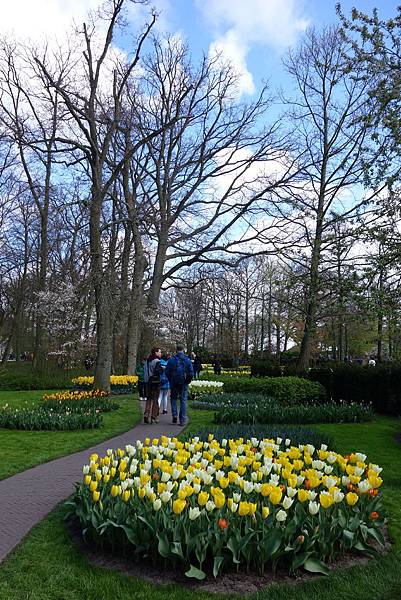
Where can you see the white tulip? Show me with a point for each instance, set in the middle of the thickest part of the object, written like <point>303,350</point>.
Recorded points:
<point>234,507</point>
<point>165,477</point>
<point>165,496</point>
<point>338,496</point>
<point>157,504</point>
<point>291,492</point>
<point>312,495</point>
<point>85,469</point>
<point>313,508</point>
<point>210,505</point>
<point>364,486</point>
<point>281,516</point>
<point>287,502</point>
<point>236,497</point>
<point>194,513</point>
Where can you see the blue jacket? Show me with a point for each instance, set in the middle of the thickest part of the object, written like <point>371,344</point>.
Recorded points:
<point>171,369</point>
<point>165,384</point>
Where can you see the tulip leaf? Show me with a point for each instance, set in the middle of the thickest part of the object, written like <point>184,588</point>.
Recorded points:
<point>176,548</point>
<point>218,561</point>
<point>300,559</point>
<point>272,543</point>
<point>233,546</point>
<point>314,565</point>
<point>164,546</point>
<point>377,535</point>
<point>195,573</point>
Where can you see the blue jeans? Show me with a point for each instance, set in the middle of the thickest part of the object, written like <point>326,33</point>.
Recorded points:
<point>179,391</point>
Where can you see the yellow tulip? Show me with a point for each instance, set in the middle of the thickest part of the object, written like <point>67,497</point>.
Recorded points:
<point>266,489</point>
<point>152,496</point>
<point>243,509</point>
<point>252,508</point>
<point>352,498</point>
<point>265,512</point>
<point>95,496</point>
<point>93,486</point>
<point>178,506</point>
<point>326,499</point>
<point>115,490</point>
<point>98,476</point>
<point>126,495</point>
<point>182,494</point>
<point>224,482</point>
<point>303,495</point>
<point>123,475</point>
<point>219,500</point>
<point>106,478</point>
<point>141,492</point>
<point>375,481</point>
<point>112,471</point>
<point>275,495</point>
<point>203,497</point>
<point>88,479</point>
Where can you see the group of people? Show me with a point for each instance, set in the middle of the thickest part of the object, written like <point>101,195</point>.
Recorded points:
<point>164,377</point>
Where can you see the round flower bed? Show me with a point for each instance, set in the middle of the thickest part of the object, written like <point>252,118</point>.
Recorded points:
<point>210,505</point>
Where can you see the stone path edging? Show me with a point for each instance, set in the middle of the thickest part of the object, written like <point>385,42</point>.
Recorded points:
<point>26,498</point>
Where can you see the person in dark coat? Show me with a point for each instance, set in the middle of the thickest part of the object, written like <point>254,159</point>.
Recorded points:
<point>179,372</point>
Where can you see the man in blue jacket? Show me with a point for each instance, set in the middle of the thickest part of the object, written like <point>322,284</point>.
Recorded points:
<point>179,371</point>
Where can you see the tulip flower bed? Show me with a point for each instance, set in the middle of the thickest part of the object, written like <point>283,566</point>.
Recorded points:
<point>198,388</point>
<point>57,415</point>
<point>210,506</point>
<point>75,395</point>
<point>119,384</point>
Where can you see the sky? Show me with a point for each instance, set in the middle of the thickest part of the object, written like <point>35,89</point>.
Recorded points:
<point>253,34</point>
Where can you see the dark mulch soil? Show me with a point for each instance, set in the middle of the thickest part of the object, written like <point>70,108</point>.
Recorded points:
<point>241,583</point>
<point>397,437</point>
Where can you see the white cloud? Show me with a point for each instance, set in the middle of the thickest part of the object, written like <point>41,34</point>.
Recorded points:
<point>33,19</point>
<point>239,24</point>
<point>230,48</point>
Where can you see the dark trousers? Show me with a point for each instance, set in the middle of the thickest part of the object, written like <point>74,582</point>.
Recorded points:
<point>142,389</point>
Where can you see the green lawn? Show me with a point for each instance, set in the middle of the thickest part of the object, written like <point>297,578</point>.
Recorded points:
<point>48,566</point>
<point>24,449</point>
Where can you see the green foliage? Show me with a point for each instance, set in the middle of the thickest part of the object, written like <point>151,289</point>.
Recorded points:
<point>287,390</point>
<point>22,376</point>
<point>55,415</point>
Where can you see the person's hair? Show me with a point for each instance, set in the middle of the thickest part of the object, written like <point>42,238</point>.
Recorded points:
<point>155,349</point>
<point>180,347</point>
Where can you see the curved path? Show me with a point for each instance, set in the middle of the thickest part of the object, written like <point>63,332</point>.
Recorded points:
<point>26,498</point>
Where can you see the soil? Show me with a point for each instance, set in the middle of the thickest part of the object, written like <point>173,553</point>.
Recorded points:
<point>240,583</point>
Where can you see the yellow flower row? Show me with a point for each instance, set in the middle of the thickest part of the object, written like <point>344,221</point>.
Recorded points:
<point>114,380</point>
<point>246,477</point>
<point>75,395</point>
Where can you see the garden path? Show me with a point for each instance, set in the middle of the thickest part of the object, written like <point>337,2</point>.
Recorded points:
<point>26,498</point>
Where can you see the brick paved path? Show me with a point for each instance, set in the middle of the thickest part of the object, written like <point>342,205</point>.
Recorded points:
<point>26,498</point>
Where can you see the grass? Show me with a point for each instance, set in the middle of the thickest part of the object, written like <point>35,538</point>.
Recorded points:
<point>24,449</point>
<point>48,565</point>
